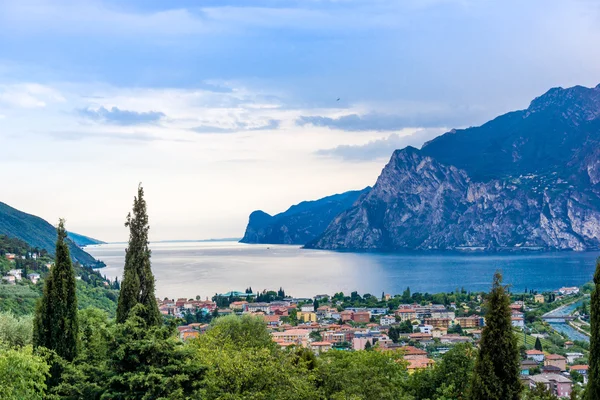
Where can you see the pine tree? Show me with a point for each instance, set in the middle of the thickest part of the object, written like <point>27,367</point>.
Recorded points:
<point>137,285</point>
<point>538,344</point>
<point>55,324</point>
<point>496,373</point>
<point>592,391</point>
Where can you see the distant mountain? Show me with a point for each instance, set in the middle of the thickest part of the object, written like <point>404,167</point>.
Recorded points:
<point>37,233</point>
<point>301,222</point>
<point>527,179</point>
<point>82,241</point>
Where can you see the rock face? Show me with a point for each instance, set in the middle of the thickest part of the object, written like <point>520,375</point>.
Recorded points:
<point>527,179</point>
<point>301,223</point>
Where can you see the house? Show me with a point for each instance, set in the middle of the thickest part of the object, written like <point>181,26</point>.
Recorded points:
<point>272,320</point>
<point>582,370</point>
<point>558,385</point>
<point>361,317</point>
<point>9,279</point>
<point>387,297</point>
<point>438,322</point>
<point>188,334</point>
<point>527,366</point>
<point>387,320</point>
<point>360,343</point>
<point>571,357</point>
<point>518,322</point>
<point>414,365</point>
<point>412,353</point>
<point>16,273</point>
<point>238,305</point>
<point>346,315</point>
<point>34,278</point>
<point>539,298</point>
<point>556,360</point>
<point>535,355</point>
<point>10,256</point>
<point>453,339</point>
<point>336,337</point>
<point>320,347</point>
<point>421,337</point>
<point>305,316</point>
<point>569,344</point>
<point>428,329</point>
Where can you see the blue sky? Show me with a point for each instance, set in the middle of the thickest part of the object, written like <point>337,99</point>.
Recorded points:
<point>223,107</point>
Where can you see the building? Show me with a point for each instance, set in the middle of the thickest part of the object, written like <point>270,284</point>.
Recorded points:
<point>565,291</point>
<point>558,384</point>
<point>9,279</point>
<point>556,360</point>
<point>527,366</point>
<point>571,357</point>
<point>438,322</point>
<point>582,370</point>
<point>406,314</point>
<point>16,273</point>
<point>453,339</point>
<point>535,355</point>
<point>257,307</point>
<point>307,308</point>
<point>413,353</point>
<point>539,298</point>
<point>473,321</point>
<point>361,317</point>
<point>427,329</point>
<point>320,347</point>
<point>518,322</point>
<point>10,256</point>
<point>414,365</point>
<point>294,336</point>
<point>34,278</point>
<point>238,305</point>
<point>346,315</point>
<point>272,320</point>
<point>387,320</point>
<point>306,316</point>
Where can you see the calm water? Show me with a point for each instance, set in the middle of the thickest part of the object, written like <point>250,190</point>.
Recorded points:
<point>562,327</point>
<point>205,268</point>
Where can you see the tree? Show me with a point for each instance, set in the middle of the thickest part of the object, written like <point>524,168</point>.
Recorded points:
<point>592,390</point>
<point>315,304</point>
<point>538,344</point>
<point>496,373</point>
<point>137,286</point>
<point>22,374</point>
<point>56,326</point>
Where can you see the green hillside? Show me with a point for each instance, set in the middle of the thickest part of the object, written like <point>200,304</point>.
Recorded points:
<point>37,233</point>
<point>81,240</point>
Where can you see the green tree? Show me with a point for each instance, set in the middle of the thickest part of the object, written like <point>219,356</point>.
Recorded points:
<point>22,374</point>
<point>592,390</point>
<point>55,325</point>
<point>496,373</point>
<point>15,331</point>
<point>137,285</point>
<point>538,344</point>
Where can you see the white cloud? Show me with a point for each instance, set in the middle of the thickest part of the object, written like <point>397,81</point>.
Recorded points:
<point>28,95</point>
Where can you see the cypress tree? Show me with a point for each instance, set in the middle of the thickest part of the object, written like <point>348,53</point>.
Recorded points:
<point>538,344</point>
<point>592,391</point>
<point>137,285</point>
<point>496,373</point>
<point>55,324</point>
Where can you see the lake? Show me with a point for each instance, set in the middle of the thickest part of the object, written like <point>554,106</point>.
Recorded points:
<point>187,269</point>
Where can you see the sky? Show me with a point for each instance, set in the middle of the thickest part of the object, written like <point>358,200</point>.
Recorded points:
<point>222,107</point>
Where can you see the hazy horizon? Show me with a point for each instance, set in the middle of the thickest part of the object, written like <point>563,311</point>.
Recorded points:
<point>230,106</point>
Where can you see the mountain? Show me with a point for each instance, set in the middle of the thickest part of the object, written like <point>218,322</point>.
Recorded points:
<point>37,233</point>
<point>301,222</point>
<point>527,179</point>
<point>81,240</point>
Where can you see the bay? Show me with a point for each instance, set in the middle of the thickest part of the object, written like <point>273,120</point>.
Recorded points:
<point>187,269</point>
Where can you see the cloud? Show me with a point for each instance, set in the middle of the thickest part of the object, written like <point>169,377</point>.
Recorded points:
<point>117,116</point>
<point>237,127</point>
<point>380,148</point>
<point>122,137</point>
<point>29,95</point>
<point>376,122</point>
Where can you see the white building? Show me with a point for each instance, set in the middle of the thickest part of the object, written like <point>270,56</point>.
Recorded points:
<point>34,278</point>
<point>518,322</point>
<point>568,290</point>
<point>426,329</point>
<point>16,273</point>
<point>571,357</point>
<point>307,308</point>
<point>387,320</point>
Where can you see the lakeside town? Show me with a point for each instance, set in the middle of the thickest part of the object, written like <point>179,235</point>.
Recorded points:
<point>421,327</point>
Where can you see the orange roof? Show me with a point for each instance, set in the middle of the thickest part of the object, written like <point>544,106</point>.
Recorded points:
<point>270,318</point>
<point>579,367</point>
<point>555,357</point>
<point>534,352</point>
<point>320,344</point>
<point>412,351</point>
<point>420,363</point>
<point>406,310</point>
<point>299,332</point>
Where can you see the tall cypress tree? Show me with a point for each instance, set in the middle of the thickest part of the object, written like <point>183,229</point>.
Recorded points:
<point>538,344</point>
<point>496,373</point>
<point>55,324</point>
<point>137,285</point>
<point>592,391</point>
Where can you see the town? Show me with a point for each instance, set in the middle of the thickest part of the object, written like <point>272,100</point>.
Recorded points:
<point>421,327</point>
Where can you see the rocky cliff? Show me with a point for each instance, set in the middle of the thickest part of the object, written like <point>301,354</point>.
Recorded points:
<point>301,223</point>
<point>527,179</point>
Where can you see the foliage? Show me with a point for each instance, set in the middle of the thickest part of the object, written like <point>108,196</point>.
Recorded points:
<point>19,299</point>
<point>448,378</point>
<point>362,375</point>
<point>22,374</point>
<point>15,331</point>
<point>55,325</point>
<point>496,373</point>
<point>539,392</point>
<point>593,387</point>
<point>236,332</point>
<point>137,286</point>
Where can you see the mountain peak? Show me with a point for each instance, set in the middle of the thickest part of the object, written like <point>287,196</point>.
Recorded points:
<point>570,101</point>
